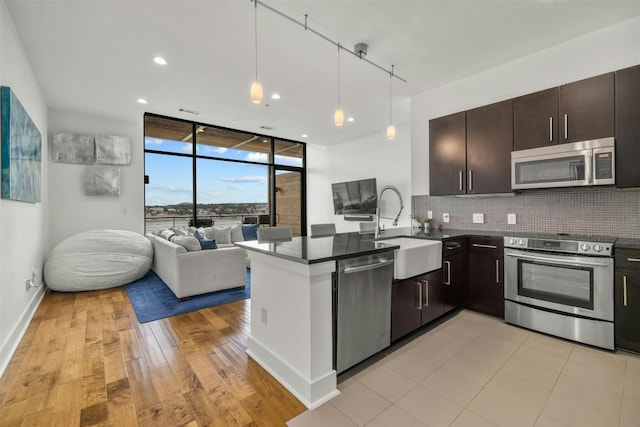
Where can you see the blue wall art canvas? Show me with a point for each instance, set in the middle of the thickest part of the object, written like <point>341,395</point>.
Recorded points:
<point>21,147</point>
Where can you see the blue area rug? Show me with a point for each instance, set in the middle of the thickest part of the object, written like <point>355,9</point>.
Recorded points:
<point>152,299</point>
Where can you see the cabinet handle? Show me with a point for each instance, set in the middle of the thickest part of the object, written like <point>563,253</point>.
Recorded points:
<point>460,185</point>
<point>426,293</point>
<point>478,245</point>
<point>566,126</point>
<point>448,265</point>
<point>624,290</point>
<point>633,259</point>
<point>470,180</point>
<point>498,271</point>
<point>550,129</point>
<point>419,305</point>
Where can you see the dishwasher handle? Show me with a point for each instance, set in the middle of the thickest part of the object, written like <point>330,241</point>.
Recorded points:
<point>358,269</point>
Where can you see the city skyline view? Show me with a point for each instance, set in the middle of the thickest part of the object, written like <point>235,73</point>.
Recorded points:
<point>218,181</point>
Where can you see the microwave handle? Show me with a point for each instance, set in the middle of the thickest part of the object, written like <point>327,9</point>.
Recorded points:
<point>589,172</point>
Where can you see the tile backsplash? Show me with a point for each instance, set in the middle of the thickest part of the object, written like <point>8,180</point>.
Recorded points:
<point>599,211</point>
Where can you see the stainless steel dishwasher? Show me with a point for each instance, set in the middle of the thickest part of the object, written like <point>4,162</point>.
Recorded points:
<point>362,307</point>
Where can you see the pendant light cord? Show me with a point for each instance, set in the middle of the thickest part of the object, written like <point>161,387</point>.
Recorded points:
<point>390,94</point>
<point>255,34</point>
<point>339,102</point>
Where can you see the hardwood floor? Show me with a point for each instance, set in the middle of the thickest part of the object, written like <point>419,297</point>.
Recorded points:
<point>85,360</point>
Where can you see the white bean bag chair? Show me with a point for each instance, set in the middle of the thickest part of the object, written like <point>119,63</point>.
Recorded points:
<point>98,259</point>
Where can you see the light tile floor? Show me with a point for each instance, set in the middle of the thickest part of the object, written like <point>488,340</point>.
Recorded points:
<point>474,370</point>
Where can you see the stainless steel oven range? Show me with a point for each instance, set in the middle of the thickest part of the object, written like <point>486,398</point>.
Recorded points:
<point>561,285</point>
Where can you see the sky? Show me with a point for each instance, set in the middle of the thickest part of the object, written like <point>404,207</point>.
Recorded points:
<point>170,177</point>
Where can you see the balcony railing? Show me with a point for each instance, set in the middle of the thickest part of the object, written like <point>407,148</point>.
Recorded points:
<point>152,223</point>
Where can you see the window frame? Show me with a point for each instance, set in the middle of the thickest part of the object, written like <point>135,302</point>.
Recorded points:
<point>272,166</point>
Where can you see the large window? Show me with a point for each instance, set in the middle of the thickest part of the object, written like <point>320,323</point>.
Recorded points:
<point>230,177</point>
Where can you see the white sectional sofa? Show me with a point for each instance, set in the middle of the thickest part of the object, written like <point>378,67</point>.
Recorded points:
<point>194,272</point>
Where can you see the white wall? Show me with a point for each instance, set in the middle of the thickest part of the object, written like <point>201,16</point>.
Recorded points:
<point>24,227</point>
<point>610,49</point>
<point>370,157</point>
<point>70,211</point>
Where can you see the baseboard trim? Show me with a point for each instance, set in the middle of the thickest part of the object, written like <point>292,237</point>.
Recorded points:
<point>11,344</point>
<point>311,393</point>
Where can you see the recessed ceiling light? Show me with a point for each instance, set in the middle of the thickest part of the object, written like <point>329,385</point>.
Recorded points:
<point>142,101</point>
<point>304,135</point>
<point>160,60</point>
<point>351,119</point>
<point>275,96</point>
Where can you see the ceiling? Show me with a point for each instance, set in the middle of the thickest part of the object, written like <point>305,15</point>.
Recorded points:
<point>96,56</point>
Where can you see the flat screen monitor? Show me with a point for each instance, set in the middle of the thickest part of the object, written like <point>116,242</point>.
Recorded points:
<point>355,197</point>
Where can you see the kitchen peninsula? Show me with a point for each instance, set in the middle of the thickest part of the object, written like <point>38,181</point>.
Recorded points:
<point>292,308</point>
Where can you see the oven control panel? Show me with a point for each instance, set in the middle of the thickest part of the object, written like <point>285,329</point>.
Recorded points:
<point>559,245</point>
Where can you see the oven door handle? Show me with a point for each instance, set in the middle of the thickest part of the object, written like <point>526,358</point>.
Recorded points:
<point>557,260</point>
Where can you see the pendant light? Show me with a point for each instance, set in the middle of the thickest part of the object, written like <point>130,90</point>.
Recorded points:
<point>256,87</point>
<point>391,129</point>
<point>338,116</point>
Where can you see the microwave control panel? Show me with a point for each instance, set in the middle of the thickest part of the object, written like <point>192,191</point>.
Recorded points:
<point>603,162</point>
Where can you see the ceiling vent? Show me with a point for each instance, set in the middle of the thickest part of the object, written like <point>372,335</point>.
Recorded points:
<point>184,110</point>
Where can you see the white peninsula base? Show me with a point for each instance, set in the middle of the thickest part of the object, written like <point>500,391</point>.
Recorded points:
<point>291,325</point>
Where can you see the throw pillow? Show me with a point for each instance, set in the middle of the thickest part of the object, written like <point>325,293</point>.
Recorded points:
<point>191,244</point>
<point>220,234</point>
<point>206,232</point>
<point>250,232</point>
<point>204,242</point>
<point>157,231</point>
<point>236,233</point>
<point>192,230</point>
<point>166,233</point>
<point>180,231</point>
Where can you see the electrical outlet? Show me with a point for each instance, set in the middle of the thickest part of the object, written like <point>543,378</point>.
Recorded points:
<point>429,214</point>
<point>511,219</point>
<point>478,218</point>
<point>263,315</point>
<point>445,217</point>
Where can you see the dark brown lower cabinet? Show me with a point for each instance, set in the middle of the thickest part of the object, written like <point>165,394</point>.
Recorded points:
<point>485,292</point>
<point>415,302</point>
<point>627,299</point>
<point>454,272</point>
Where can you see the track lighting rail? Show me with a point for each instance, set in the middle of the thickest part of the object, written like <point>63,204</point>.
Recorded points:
<point>304,24</point>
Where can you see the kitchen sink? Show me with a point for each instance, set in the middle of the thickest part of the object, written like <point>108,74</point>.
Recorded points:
<point>415,256</point>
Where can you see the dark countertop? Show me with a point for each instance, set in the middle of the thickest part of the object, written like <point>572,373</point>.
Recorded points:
<point>311,250</point>
<point>627,243</point>
<point>438,234</point>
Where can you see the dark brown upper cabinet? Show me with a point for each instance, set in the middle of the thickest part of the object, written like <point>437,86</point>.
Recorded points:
<point>535,120</point>
<point>628,127</point>
<point>586,109</point>
<point>489,146</point>
<point>447,155</point>
<point>470,152</point>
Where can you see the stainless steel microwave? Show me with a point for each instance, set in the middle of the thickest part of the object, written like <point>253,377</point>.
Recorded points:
<point>565,165</point>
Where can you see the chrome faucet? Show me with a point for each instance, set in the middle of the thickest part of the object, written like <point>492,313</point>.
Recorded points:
<point>395,219</point>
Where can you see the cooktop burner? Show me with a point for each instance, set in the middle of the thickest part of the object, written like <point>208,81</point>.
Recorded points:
<point>562,242</point>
